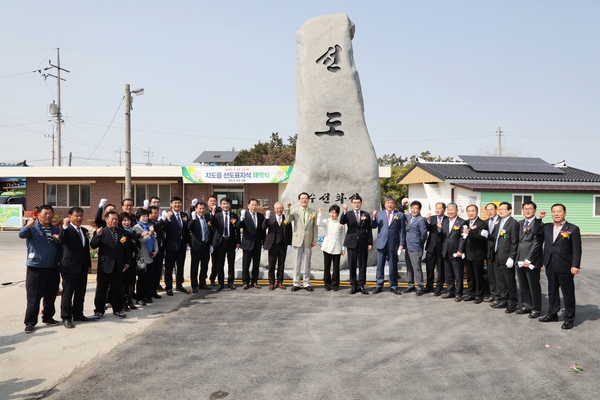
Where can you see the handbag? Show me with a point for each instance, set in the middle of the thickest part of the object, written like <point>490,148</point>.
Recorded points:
<point>140,263</point>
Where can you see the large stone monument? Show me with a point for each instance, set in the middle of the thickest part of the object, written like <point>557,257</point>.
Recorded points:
<point>334,154</point>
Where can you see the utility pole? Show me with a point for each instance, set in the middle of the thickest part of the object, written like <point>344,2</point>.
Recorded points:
<point>128,109</point>
<point>51,136</point>
<point>148,154</point>
<point>499,142</point>
<point>58,111</point>
<point>119,151</point>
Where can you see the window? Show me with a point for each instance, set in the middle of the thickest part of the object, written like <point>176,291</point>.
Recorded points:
<point>596,206</point>
<point>144,191</point>
<point>68,195</point>
<point>518,200</point>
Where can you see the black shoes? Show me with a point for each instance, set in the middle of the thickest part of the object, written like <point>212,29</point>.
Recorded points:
<point>68,324</point>
<point>438,292</point>
<point>408,290</point>
<point>377,290</point>
<point>309,288</point>
<point>510,310</point>
<point>195,290</point>
<point>363,290</point>
<point>231,286</point>
<point>397,291</point>
<point>549,318</point>
<point>169,292</point>
<point>182,289</point>
<point>478,300</point>
<point>81,318</point>
<point>353,290</point>
<point>29,328</point>
<point>567,325</point>
<point>523,311</point>
<point>534,314</point>
<point>51,322</point>
<point>468,297</point>
<point>295,288</point>
<point>501,304</point>
<point>419,292</point>
<point>157,296</point>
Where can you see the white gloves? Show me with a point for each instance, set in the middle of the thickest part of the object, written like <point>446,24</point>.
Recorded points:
<point>268,214</point>
<point>289,248</point>
<point>464,235</point>
<point>164,215</point>
<point>211,249</point>
<point>510,263</point>
<point>262,248</point>
<point>102,203</point>
<point>531,266</point>
<point>243,215</point>
<point>146,204</point>
<point>193,214</point>
<point>484,233</point>
<point>399,252</point>
<point>194,202</point>
<point>463,255</point>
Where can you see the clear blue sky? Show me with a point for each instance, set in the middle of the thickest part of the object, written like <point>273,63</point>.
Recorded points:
<point>436,75</point>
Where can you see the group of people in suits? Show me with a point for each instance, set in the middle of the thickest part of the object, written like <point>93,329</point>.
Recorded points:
<point>505,245</point>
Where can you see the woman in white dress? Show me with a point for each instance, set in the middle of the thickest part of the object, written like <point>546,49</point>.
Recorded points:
<point>332,246</point>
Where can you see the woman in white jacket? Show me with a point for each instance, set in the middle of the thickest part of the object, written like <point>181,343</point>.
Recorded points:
<point>332,246</point>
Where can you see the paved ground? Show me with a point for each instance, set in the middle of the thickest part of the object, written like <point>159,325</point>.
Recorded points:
<point>261,344</point>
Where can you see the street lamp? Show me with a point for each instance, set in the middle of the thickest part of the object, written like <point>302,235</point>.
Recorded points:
<point>128,108</point>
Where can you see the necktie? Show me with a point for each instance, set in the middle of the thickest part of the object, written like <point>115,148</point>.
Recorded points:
<point>81,236</point>
<point>226,225</point>
<point>491,224</point>
<point>526,224</point>
<point>389,214</point>
<point>204,229</point>
<point>357,216</point>
<point>304,209</point>
<point>48,233</point>
<point>279,220</point>
<point>179,221</point>
<point>471,222</point>
<point>498,235</point>
<point>114,236</point>
<point>254,219</point>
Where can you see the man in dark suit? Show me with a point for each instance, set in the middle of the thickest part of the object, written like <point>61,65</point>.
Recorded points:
<point>505,254</point>
<point>453,248</point>
<point>177,237</point>
<point>212,208</point>
<point>200,246</point>
<point>562,258</point>
<point>251,236</point>
<point>277,241</point>
<point>114,257</point>
<point>492,222</point>
<point>127,207</point>
<point>74,267</point>
<point>358,242</point>
<point>225,242</point>
<point>434,259</point>
<point>390,241</point>
<point>475,234</point>
<point>530,261</point>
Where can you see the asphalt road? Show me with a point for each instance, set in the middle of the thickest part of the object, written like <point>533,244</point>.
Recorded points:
<point>259,344</point>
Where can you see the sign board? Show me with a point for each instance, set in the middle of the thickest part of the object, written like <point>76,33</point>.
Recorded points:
<point>11,216</point>
<point>232,174</point>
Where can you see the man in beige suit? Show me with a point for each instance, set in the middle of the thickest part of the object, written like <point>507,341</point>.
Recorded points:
<point>304,239</point>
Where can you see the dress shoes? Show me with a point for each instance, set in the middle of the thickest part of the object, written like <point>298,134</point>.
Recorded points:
<point>488,299</point>
<point>231,286</point>
<point>438,292</point>
<point>523,311</point>
<point>308,288</point>
<point>156,296</point>
<point>493,303</point>
<point>280,286</point>
<point>212,282</point>
<point>534,314</point>
<point>327,288</point>
<point>363,290</point>
<point>458,299</point>
<point>245,286</point>
<point>256,285</point>
<point>221,287</point>
<point>202,287</point>
<point>295,288</point>
<point>182,289</point>
<point>468,297</point>
<point>377,290</point>
<point>353,290</point>
<point>448,296</point>
<point>81,318</point>
<point>419,292</point>
<point>169,292</point>
<point>195,290</point>
<point>549,318</point>
<point>478,300</point>
<point>335,288</point>
<point>567,325</point>
<point>51,322</point>
<point>148,300</point>
<point>397,291</point>
<point>408,290</point>
<point>428,290</point>
<point>501,304</point>
<point>271,286</point>
<point>510,310</point>
<point>29,328</point>
<point>67,323</point>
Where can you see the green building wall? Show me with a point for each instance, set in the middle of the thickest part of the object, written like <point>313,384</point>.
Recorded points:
<point>580,206</point>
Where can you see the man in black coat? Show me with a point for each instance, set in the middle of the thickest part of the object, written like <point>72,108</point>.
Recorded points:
<point>114,257</point>
<point>177,238</point>
<point>453,248</point>
<point>225,242</point>
<point>530,261</point>
<point>475,232</point>
<point>434,259</point>
<point>200,246</point>
<point>506,242</point>
<point>562,258</point>
<point>251,236</point>
<point>278,239</point>
<point>492,222</point>
<point>74,267</point>
<point>358,242</point>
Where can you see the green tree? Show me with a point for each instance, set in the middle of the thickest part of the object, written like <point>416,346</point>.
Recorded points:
<point>274,152</point>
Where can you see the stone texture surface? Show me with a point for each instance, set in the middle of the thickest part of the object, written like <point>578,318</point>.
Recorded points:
<point>334,154</point>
